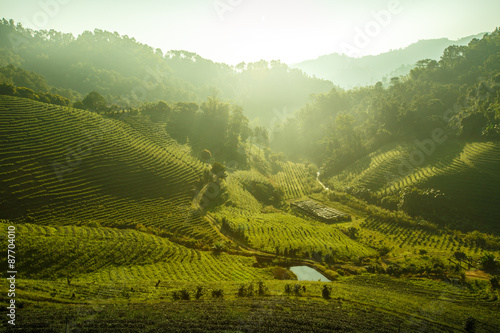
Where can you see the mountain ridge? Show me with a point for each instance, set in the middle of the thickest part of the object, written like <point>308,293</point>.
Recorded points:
<point>348,72</point>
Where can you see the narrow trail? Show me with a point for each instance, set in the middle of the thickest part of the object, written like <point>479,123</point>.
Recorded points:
<point>319,181</point>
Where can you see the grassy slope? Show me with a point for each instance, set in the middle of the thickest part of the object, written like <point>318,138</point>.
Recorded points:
<point>270,231</point>
<point>68,166</point>
<point>465,171</point>
<point>292,179</point>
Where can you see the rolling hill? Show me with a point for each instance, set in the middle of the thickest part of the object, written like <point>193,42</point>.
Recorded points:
<point>466,172</point>
<point>86,254</point>
<point>66,166</point>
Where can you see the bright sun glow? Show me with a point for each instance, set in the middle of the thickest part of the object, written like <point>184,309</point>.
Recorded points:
<point>232,31</point>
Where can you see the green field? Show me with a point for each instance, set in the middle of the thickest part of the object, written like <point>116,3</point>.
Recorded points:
<point>275,232</point>
<point>360,304</point>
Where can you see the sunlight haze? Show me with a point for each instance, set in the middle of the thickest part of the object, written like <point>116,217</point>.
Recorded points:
<point>232,31</point>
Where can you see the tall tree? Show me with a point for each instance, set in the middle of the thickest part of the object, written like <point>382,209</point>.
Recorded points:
<point>94,102</point>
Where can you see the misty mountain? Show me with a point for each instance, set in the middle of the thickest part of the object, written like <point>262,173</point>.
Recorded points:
<point>348,72</point>
<point>128,73</point>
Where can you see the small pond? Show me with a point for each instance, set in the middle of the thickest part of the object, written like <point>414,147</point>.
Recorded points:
<point>305,273</point>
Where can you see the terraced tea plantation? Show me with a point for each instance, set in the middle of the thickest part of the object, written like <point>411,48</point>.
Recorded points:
<point>68,166</point>
<point>359,304</point>
<point>293,180</point>
<point>468,172</point>
<point>279,233</point>
<point>410,242</point>
<point>108,255</point>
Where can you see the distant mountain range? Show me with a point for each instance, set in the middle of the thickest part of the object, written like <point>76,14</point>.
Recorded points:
<point>348,72</point>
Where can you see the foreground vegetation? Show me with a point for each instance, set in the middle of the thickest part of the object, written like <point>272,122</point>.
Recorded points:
<point>356,303</point>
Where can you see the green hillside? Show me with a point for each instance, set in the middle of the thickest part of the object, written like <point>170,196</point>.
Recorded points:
<point>285,234</point>
<point>66,166</point>
<point>85,254</point>
<point>465,172</point>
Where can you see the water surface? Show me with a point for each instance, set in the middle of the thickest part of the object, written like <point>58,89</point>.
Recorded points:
<point>305,273</point>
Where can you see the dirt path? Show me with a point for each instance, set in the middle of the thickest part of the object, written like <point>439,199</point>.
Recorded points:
<point>319,181</point>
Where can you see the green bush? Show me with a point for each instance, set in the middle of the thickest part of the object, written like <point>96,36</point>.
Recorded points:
<point>281,273</point>
<point>494,282</point>
<point>180,294</point>
<point>262,289</point>
<point>488,262</point>
<point>326,292</point>
<point>245,291</point>
<point>297,288</point>
<point>288,288</point>
<point>199,292</point>
<point>217,293</point>
<point>470,324</point>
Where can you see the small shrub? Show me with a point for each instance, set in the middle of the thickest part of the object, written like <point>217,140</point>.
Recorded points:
<point>470,324</point>
<point>384,250</point>
<point>245,291</point>
<point>250,290</point>
<point>217,293</point>
<point>488,262</point>
<point>352,232</point>
<point>332,275</point>
<point>218,248</point>
<point>326,292</point>
<point>288,288</point>
<point>297,288</point>
<point>199,292</point>
<point>494,282</point>
<point>281,273</point>
<point>262,289</point>
<point>184,294</point>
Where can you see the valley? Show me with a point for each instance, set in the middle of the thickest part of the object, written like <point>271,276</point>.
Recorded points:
<point>184,212</point>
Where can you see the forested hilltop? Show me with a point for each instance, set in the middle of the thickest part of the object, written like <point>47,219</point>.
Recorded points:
<point>128,73</point>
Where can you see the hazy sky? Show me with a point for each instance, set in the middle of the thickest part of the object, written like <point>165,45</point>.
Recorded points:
<point>232,31</point>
